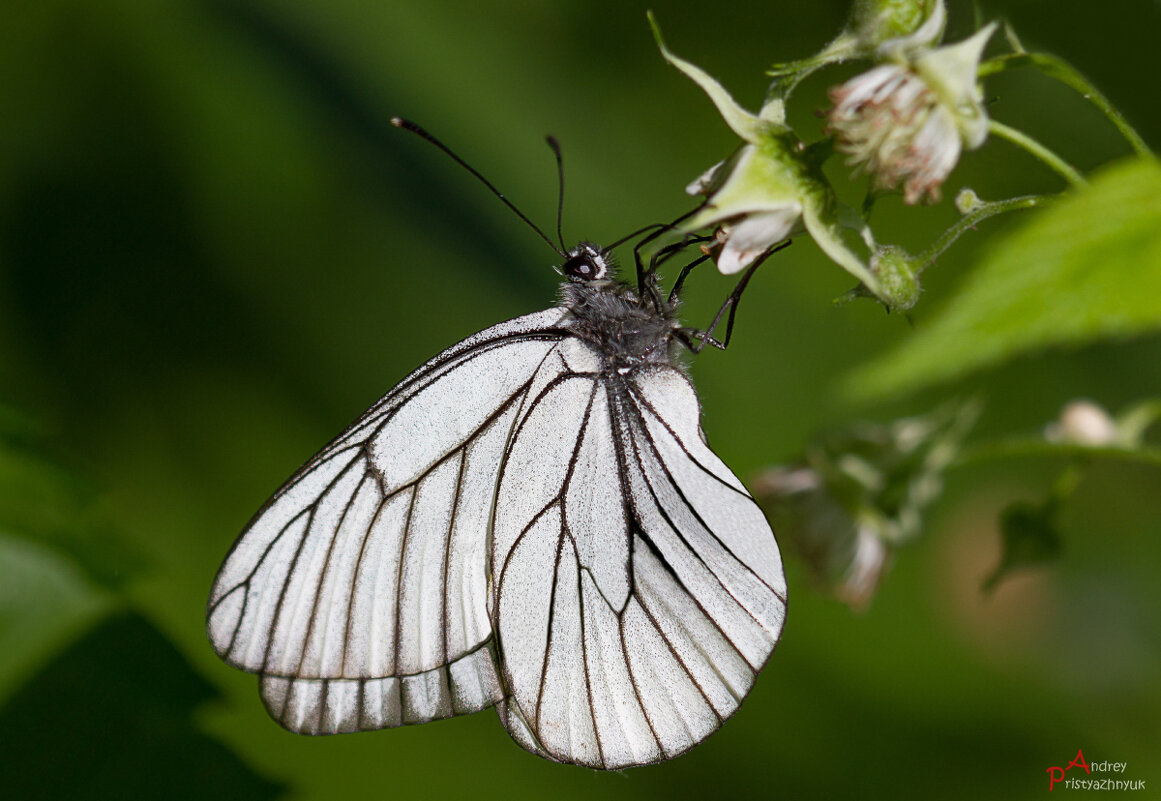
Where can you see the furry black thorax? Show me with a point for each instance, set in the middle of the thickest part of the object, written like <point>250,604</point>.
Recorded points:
<point>628,329</point>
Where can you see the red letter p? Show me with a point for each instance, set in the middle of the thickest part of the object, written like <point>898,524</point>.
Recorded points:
<point>1054,779</point>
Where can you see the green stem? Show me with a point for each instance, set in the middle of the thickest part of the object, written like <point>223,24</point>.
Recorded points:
<point>981,211</point>
<point>1063,168</point>
<point>1132,424</point>
<point>1062,71</point>
<point>1016,448</point>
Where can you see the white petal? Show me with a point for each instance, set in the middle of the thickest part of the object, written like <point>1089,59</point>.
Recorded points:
<point>705,183</point>
<point>750,238</point>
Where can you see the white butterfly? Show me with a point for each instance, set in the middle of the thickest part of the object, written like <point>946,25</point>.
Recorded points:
<point>531,520</point>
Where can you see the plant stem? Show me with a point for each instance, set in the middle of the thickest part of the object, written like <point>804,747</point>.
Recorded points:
<point>1063,168</point>
<point>1029,447</point>
<point>980,212</point>
<point>1064,72</point>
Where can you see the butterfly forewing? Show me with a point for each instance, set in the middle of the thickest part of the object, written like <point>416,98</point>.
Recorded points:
<point>359,592</point>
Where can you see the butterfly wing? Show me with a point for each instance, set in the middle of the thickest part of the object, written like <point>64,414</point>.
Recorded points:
<point>638,587</point>
<point>359,592</point>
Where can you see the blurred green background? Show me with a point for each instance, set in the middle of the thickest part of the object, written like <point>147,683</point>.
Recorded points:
<point>215,252</point>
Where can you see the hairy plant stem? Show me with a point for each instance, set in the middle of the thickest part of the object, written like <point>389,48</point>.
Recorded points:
<point>1055,162</point>
<point>977,214</point>
<point>1064,72</point>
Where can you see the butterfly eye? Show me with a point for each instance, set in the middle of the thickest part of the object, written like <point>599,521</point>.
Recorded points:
<point>586,264</point>
<point>579,268</point>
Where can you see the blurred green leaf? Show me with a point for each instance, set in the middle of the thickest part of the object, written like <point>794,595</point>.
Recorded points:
<point>49,505</point>
<point>1029,537</point>
<point>1086,269</point>
<point>44,601</point>
<point>61,561</point>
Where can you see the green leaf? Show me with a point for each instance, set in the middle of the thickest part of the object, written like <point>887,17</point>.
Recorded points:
<point>49,505</point>
<point>62,563</point>
<point>1085,269</point>
<point>45,601</point>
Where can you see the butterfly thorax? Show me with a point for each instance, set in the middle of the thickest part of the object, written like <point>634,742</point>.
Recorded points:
<point>626,329</point>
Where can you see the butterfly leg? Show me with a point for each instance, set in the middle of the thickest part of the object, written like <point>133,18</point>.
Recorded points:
<point>645,286</point>
<point>675,293</point>
<point>697,340</point>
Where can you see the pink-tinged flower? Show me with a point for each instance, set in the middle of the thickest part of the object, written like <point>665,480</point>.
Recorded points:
<point>907,121</point>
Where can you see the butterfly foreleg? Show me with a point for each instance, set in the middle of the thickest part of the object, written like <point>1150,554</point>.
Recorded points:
<point>700,339</point>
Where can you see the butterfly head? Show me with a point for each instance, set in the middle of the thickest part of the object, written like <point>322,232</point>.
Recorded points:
<point>587,263</point>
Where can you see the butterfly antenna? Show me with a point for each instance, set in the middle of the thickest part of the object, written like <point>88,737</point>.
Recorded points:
<point>408,125</point>
<point>555,145</point>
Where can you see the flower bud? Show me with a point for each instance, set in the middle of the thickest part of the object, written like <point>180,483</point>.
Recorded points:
<point>1083,422</point>
<point>878,23</point>
<point>967,201</point>
<point>898,278</point>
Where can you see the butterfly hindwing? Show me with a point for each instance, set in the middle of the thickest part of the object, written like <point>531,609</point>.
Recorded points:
<point>638,588</point>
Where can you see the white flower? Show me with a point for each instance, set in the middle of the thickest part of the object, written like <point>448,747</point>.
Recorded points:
<point>768,188</point>
<point>754,235</point>
<point>906,122</point>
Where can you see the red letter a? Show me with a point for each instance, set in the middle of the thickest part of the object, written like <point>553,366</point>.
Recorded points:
<point>1079,762</point>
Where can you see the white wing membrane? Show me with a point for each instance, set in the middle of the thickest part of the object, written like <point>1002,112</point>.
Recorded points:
<point>359,593</point>
<point>514,524</point>
<point>638,587</point>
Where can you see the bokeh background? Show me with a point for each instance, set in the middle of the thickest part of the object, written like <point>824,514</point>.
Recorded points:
<point>215,252</point>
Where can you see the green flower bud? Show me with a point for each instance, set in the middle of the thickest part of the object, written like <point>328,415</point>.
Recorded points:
<point>967,201</point>
<point>876,23</point>
<point>875,28</point>
<point>896,272</point>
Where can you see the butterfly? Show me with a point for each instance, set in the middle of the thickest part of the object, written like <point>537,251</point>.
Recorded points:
<point>532,520</point>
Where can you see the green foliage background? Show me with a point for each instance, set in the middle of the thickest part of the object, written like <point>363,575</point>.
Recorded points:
<point>215,252</point>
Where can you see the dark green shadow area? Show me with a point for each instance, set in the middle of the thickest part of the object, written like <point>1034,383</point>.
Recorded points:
<point>112,718</point>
